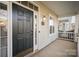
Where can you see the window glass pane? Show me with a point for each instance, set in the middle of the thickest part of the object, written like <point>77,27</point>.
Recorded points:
<point>3,6</point>
<point>24,3</point>
<point>30,5</point>
<point>50,29</point>
<point>3,30</point>
<point>36,8</point>
<point>51,25</point>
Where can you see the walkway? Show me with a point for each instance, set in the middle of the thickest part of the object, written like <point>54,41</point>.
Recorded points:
<point>59,48</point>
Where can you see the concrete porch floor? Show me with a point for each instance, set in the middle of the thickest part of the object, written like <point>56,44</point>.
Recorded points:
<point>59,48</point>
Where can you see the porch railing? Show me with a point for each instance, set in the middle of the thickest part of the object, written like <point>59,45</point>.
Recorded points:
<point>67,35</point>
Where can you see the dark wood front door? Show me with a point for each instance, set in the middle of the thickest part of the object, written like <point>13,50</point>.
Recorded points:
<point>22,21</point>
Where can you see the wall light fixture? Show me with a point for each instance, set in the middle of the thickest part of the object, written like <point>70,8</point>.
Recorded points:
<point>43,20</point>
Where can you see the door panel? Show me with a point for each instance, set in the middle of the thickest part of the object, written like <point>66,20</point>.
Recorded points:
<point>22,29</point>
<point>20,26</point>
<point>20,44</point>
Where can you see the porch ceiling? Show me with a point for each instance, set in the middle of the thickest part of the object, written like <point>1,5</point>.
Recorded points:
<point>63,8</point>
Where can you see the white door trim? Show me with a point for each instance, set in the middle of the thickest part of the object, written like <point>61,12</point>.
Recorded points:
<point>10,54</point>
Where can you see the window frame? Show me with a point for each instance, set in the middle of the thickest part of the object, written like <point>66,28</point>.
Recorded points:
<point>53,28</point>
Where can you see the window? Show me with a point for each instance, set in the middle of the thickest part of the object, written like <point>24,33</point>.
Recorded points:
<point>3,6</point>
<point>24,3</point>
<point>51,25</point>
<point>35,8</point>
<point>28,4</point>
<point>31,5</point>
<point>3,30</point>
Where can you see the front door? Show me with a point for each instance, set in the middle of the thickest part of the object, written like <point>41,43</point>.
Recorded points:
<point>22,21</point>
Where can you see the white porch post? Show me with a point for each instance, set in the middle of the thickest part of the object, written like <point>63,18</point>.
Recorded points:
<point>9,29</point>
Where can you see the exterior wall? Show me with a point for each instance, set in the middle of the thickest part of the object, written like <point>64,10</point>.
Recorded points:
<point>44,38</point>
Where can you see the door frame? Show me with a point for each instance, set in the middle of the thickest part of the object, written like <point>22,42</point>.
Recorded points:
<point>9,47</point>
